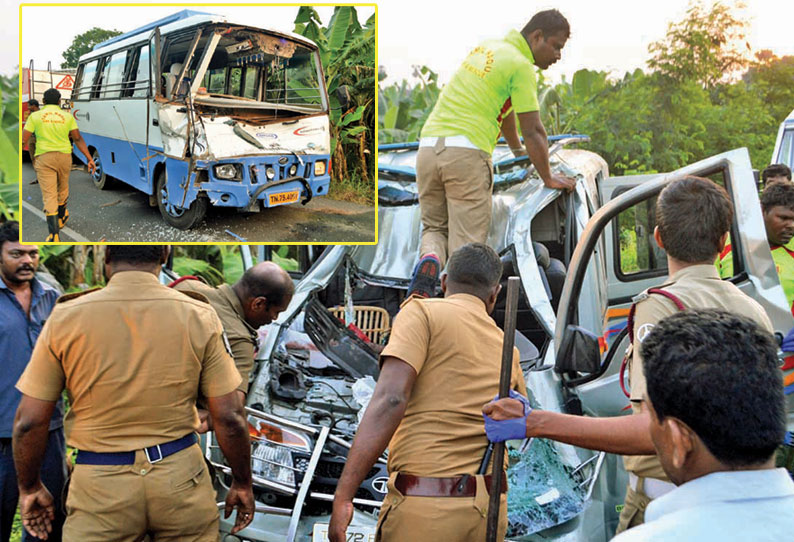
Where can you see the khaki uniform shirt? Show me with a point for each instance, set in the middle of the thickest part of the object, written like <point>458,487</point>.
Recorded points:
<point>456,349</point>
<point>698,287</point>
<point>242,337</point>
<point>133,358</point>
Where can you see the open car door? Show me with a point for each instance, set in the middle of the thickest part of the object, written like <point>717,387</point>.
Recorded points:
<point>635,263</point>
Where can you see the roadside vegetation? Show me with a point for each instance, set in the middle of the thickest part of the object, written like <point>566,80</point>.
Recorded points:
<point>347,50</point>
<point>9,149</point>
<point>703,92</point>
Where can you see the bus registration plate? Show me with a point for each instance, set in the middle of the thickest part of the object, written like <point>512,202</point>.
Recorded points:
<point>283,197</point>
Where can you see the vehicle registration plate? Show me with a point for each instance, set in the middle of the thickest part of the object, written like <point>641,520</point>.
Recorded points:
<point>284,197</point>
<point>354,534</point>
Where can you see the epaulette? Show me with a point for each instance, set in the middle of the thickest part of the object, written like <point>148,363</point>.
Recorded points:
<point>642,296</point>
<point>410,298</point>
<point>68,297</point>
<point>195,295</point>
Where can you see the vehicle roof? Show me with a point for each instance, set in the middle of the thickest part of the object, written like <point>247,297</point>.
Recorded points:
<point>177,21</point>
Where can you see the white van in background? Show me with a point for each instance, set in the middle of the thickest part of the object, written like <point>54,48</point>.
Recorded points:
<point>784,145</point>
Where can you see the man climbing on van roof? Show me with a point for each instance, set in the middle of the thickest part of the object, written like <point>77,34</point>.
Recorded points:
<point>494,85</point>
<point>55,129</point>
<point>777,204</point>
<point>693,217</point>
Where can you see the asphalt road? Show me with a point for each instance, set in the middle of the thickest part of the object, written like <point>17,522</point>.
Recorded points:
<point>122,214</point>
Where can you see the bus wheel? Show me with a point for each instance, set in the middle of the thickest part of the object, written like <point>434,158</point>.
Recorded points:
<point>176,216</point>
<point>102,180</point>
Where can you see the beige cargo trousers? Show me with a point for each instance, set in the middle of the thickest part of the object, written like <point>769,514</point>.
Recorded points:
<point>455,186</point>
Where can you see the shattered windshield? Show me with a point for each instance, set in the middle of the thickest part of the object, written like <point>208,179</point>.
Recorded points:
<point>250,66</point>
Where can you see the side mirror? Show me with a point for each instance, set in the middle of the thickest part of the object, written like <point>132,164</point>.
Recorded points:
<point>343,95</point>
<point>579,351</point>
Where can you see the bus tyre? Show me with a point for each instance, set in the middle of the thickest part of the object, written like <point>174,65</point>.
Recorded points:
<point>183,219</point>
<point>102,180</point>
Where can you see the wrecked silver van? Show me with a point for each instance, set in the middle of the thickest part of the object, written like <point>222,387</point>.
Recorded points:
<point>580,259</point>
<point>196,111</point>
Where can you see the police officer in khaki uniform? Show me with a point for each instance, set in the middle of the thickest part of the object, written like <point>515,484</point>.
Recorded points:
<point>133,358</point>
<point>693,218</point>
<point>261,294</point>
<point>441,364</point>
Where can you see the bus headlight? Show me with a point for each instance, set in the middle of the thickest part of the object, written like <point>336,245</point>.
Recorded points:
<point>229,172</point>
<point>319,168</point>
<point>293,169</point>
<point>270,173</point>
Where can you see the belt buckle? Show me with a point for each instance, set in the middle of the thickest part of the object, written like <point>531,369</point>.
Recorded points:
<point>149,457</point>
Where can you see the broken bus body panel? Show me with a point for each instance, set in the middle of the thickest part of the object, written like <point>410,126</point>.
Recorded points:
<point>196,111</point>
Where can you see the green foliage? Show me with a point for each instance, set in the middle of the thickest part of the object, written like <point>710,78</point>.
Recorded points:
<point>9,147</point>
<point>708,46</point>
<point>83,43</point>
<point>403,108</point>
<point>347,51</point>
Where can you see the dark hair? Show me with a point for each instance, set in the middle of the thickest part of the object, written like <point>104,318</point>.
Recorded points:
<point>549,22</point>
<point>475,268</point>
<point>134,254</point>
<point>9,231</point>
<point>778,195</point>
<point>776,170</point>
<point>274,287</point>
<point>33,102</point>
<point>51,97</point>
<point>693,214</point>
<point>718,373</point>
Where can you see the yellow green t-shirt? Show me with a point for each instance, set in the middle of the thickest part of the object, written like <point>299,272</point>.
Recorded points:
<point>497,76</point>
<point>783,256</point>
<point>51,125</point>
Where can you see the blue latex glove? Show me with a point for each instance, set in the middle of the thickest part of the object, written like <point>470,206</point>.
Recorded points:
<point>788,342</point>
<point>512,429</point>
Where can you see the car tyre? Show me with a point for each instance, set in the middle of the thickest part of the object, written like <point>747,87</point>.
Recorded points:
<point>183,219</point>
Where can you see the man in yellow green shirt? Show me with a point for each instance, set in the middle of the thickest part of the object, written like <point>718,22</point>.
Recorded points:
<point>55,130</point>
<point>495,84</point>
<point>777,204</point>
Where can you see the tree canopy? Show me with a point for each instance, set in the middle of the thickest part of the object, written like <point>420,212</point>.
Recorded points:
<point>83,43</point>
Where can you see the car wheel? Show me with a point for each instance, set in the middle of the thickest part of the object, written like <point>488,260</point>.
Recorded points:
<point>102,180</point>
<point>176,216</point>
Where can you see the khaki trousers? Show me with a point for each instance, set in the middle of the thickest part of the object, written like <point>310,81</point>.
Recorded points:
<point>455,186</point>
<point>633,512</point>
<point>52,170</point>
<point>434,519</point>
<point>172,500</point>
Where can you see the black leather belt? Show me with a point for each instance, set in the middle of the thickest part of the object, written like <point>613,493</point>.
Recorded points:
<point>154,453</point>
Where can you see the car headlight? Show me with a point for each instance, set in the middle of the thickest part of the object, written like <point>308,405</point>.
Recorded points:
<point>270,173</point>
<point>319,168</point>
<point>271,452</point>
<point>228,172</point>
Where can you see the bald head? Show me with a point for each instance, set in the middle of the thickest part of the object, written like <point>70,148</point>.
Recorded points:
<point>264,291</point>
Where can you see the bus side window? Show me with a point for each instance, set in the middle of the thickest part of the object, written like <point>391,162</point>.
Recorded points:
<point>113,75</point>
<point>85,80</point>
<point>136,81</point>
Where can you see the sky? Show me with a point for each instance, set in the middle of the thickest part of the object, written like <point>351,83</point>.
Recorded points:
<point>610,35</point>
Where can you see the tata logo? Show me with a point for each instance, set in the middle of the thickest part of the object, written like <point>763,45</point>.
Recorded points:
<point>308,130</point>
<point>265,135</point>
<point>644,331</point>
<point>381,484</point>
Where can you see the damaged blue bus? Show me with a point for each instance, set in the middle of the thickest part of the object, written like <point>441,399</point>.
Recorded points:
<point>196,111</point>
